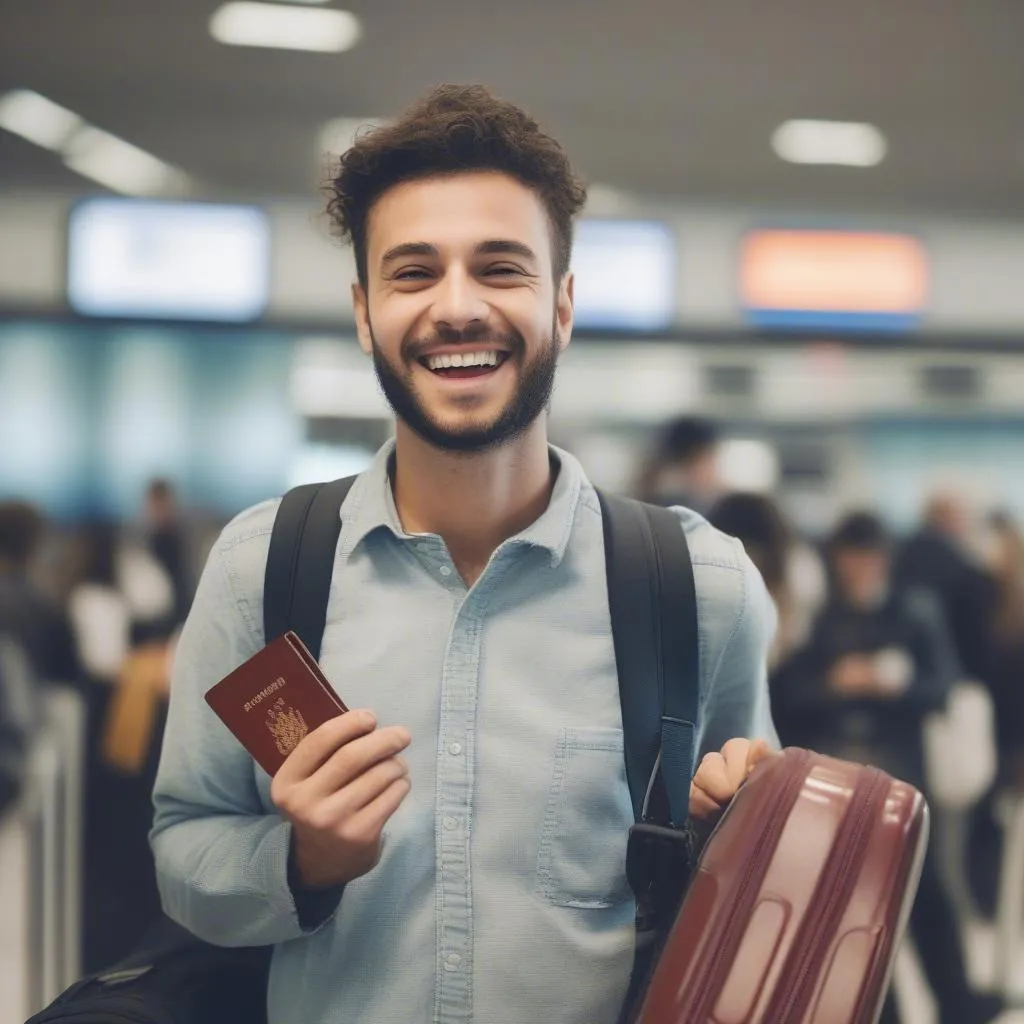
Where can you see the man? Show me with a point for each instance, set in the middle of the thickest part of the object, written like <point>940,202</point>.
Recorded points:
<point>469,611</point>
<point>683,467</point>
<point>876,663</point>
<point>19,714</point>
<point>937,558</point>
<point>39,626</point>
<point>168,543</point>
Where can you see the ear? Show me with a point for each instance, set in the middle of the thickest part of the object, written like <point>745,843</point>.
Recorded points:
<point>564,310</point>
<point>361,311</point>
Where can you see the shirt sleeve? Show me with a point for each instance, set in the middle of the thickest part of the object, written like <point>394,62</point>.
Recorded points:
<point>737,621</point>
<point>221,859</point>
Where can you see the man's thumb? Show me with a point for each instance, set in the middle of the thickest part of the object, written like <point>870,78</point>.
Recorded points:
<point>758,751</point>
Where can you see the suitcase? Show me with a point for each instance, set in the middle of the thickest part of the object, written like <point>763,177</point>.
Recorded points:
<point>799,900</point>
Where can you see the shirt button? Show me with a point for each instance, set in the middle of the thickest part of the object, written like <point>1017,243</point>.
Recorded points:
<point>451,823</point>
<point>452,962</point>
<point>455,749</point>
<point>445,570</point>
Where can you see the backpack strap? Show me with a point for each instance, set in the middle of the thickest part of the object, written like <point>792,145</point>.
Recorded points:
<point>653,602</point>
<point>300,565</point>
<point>652,599</point>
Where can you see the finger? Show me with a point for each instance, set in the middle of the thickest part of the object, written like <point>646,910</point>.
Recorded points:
<point>375,815</point>
<point>713,778</point>
<point>702,806</point>
<point>363,790</point>
<point>735,754</point>
<point>355,758</point>
<point>322,742</point>
<point>759,751</point>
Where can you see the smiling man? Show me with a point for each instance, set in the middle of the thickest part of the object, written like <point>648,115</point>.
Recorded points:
<point>456,851</point>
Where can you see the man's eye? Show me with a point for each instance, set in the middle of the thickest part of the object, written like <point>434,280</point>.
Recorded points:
<point>502,270</point>
<point>411,274</point>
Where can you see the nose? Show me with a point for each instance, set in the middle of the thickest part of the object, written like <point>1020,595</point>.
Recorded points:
<point>458,301</point>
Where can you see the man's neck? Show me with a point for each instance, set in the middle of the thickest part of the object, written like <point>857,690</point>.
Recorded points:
<point>474,502</point>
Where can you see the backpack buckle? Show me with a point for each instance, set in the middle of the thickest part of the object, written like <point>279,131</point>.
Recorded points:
<point>659,861</point>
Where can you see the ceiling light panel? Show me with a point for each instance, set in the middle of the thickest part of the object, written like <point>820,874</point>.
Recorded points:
<point>120,166</point>
<point>841,143</point>
<point>290,27</point>
<point>37,119</point>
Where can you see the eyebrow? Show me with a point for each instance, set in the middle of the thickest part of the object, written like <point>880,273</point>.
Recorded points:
<point>493,247</point>
<point>505,246</point>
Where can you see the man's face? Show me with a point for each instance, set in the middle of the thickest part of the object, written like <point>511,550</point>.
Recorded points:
<point>862,575</point>
<point>461,312</point>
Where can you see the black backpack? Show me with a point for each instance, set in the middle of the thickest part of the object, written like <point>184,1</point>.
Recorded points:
<point>175,978</point>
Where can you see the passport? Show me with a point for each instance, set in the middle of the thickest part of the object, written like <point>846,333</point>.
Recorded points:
<point>275,699</point>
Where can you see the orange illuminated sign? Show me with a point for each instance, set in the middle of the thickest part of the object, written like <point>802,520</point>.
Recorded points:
<point>833,272</point>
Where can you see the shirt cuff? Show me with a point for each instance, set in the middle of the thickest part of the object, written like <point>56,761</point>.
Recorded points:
<point>314,907</point>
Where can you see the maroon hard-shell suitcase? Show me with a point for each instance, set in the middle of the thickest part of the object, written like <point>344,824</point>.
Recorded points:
<point>799,900</point>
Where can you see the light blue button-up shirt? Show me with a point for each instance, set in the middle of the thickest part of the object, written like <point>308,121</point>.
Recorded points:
<point>501,894</point>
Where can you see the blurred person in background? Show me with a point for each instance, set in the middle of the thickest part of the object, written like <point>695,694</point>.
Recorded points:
<point>120,894</point>
<point>18,710</point>
<point>940,558</point>
<point>1005,562</point>
<point>943,558</point>
<point>792,572</point>
<point>39,626</point>
<point>876,663</point>
<point>790,567</point>
<point>1007,664</point>
<point>167,541</point>
<point>682,468</point>
<point>99,611</point>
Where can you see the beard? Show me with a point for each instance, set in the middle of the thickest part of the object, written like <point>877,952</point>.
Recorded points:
<point>534,386</point>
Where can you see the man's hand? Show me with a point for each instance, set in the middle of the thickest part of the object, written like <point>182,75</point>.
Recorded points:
<point>720,775</point>
<point>853,675</point>
<point>338,788</point>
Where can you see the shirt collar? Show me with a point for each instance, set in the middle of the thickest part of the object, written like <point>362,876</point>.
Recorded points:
<point>371,506</point>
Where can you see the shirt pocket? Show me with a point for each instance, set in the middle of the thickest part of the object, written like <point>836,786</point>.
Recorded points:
<point>581,861</point>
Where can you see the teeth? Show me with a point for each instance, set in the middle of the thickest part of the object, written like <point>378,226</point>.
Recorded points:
<point>442,362</point>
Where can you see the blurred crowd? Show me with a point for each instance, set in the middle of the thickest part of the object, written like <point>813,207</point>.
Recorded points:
<point>902,652</point>
<point>906,652</point>
<point>95,608</point>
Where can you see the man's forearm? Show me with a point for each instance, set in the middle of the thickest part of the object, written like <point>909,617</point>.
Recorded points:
<point>225,878</point>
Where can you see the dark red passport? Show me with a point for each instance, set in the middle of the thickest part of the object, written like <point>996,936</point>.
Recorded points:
<point>273,700</point>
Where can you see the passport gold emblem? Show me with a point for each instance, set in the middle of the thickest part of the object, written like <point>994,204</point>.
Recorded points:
<point>286,725</point>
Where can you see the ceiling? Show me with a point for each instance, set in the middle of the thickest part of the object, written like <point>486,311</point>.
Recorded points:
<point>662,98</point>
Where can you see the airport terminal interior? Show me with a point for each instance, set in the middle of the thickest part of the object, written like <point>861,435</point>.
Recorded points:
<point>798,310</point>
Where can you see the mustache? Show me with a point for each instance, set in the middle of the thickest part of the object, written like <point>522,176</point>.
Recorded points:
<point>512,341</point>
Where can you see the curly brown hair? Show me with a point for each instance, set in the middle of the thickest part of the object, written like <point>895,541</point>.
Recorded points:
<point>455,129</point>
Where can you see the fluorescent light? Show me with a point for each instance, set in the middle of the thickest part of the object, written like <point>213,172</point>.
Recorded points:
<point>339,134</point>
<point>37,119</point>
<point>286,28</point>
<point>91,152</point>
<point>119,165</point>
<point>846,143</point>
